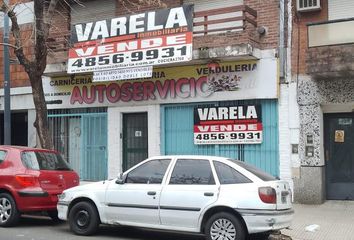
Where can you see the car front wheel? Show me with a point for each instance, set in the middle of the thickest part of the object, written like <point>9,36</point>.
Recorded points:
<point>9,215</point>
<point>84,219</point>
<point>224,226</point>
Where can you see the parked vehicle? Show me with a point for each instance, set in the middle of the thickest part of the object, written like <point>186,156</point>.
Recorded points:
<point>223,198</point>
<point>30,181</point>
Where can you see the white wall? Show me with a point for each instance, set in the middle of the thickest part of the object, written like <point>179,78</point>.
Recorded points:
<point>115,125</point>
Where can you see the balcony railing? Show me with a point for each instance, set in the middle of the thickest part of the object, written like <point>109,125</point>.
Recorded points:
<point>223,20</point>
<point>331,33</point>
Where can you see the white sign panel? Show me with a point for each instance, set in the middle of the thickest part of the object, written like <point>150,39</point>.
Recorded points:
<point>228,125</point>
<point>152,38</point>
<point>251,79</point>
<point>122,74</point>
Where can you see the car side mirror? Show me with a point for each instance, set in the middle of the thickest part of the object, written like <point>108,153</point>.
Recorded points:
<point>120,179</point>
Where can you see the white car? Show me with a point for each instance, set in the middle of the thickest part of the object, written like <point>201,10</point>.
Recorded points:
<point>220,197</point>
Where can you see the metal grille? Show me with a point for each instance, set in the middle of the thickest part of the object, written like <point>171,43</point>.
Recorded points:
<point>81,136</point>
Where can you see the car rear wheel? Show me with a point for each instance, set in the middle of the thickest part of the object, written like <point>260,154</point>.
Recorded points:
<point>9,215</point>
<point>84,219</point>
<point>224,226</point>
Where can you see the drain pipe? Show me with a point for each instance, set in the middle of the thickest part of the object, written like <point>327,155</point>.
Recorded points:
<point>282,52</point>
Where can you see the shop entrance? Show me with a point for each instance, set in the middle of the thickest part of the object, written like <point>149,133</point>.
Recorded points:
<point>135,139</point>
<point>339,151</point>
<point>81,136</point>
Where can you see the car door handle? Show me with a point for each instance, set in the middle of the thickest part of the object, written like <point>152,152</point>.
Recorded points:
<point>151,193</point>
<point>208,194</point>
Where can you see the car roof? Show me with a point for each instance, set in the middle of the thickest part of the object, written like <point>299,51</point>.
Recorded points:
<point>191,156</point>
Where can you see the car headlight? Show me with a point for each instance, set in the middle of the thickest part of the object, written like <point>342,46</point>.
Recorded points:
<point>61,196</point>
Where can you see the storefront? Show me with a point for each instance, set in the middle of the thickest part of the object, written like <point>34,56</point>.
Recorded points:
<point>230,109</point>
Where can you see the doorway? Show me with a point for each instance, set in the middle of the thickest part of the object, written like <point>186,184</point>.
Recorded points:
<point>135,139</point>
<point>81,137</point>
<point>19,128</point>
<point>339,155</point>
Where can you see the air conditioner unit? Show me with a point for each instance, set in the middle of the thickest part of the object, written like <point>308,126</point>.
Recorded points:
<point>308,5</point>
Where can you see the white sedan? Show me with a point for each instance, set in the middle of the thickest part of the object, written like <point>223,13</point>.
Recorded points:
<point>220,197</point>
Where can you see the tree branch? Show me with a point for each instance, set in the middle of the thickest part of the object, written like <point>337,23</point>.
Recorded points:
<point>15,29</point>
<point>9,45</point>
<point>48,16</point>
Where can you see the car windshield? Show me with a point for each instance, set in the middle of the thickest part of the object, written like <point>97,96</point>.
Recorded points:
<point>256,171</point>
<point>43,161</point>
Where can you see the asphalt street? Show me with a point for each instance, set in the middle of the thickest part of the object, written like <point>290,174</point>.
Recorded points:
<point>43,228</point>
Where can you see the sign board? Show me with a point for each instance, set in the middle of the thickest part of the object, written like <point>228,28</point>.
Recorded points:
<point>122,74</point>
<point>151,38</point>
<point>228,125</point>
<point>339,136</point>
<point>256,79</point>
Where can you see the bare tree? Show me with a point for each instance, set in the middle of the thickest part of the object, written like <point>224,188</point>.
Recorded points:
<point>35,65</point>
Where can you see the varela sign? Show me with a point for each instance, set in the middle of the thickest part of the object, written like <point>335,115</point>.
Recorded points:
<point>151,38</point>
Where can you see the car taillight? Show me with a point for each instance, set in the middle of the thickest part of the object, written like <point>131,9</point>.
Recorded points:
<point>267,194</point>
<point>27,180</point>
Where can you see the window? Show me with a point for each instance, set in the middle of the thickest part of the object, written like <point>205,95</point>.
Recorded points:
<point>192,172</point>
<point>228,175</point>
<point>259,173</point>
<point>43,161</point>
<point>2,156</point>
<point>151,172</point>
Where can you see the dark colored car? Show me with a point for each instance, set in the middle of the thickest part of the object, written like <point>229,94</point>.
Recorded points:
<point>30,180</point>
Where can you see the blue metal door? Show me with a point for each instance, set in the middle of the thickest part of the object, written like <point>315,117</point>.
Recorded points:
<point>177,135</point>
<point>94,160</point>
<point>82,139</point>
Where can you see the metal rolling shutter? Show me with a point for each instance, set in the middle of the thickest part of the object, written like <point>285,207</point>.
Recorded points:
<point>339,9</point>
<point>92,11</point>
<point>177,135</point>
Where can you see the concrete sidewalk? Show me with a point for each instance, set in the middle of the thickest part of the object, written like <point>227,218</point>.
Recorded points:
<point>335,220</point>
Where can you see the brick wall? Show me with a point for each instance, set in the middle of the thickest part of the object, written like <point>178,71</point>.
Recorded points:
<point>331,61</point>
<point>267,16</point>
<point>126,9</point>
<point>299,48</point>
<point>18,75</point>
<point>59,35</point>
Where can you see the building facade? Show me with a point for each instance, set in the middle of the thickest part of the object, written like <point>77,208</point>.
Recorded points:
<point>322,67</point>
<point>233,97</point>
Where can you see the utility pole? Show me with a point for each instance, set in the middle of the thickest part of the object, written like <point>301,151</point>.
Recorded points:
<point>7,85</point>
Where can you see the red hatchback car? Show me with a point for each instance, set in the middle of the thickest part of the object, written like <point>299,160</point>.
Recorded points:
<point>30,180</point>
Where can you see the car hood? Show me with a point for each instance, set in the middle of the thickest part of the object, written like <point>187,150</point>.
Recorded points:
<point>90,186</point>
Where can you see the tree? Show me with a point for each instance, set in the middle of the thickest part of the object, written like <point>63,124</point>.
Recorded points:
<point>35,65</point>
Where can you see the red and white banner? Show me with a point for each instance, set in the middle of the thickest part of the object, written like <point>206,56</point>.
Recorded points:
<point>228,125</point>
<point>146,39</point>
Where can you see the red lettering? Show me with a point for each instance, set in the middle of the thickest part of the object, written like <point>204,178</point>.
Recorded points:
<point>202,87</point>
<point>126,94</point>
<point>76,96</point>
<point>85,95</point>
<point>162,89</point>
<point>113,93</point>
<point>179,86</point>
<point>137,91</point>
<point>100,92</point>
<point>148,90</point>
